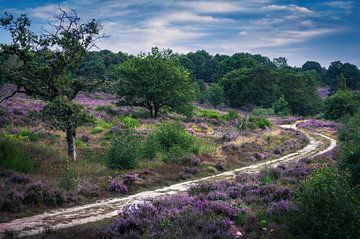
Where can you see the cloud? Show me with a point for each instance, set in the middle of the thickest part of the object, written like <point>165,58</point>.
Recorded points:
<point>344,5</point>
<point>291,7</point>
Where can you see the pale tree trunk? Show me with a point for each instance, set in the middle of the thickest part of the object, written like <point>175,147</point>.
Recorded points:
<point>70,137</point>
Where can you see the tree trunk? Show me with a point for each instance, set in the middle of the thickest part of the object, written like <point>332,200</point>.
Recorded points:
<point>156,111</point>
<point>70,137</point>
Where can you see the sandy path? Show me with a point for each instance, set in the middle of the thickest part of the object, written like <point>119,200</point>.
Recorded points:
<point>107,208</point>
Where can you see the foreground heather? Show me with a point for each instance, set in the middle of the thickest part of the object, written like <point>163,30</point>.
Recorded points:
<point>251,206</point>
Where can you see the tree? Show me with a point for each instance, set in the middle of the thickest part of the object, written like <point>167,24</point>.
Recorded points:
<point>255,86</point>
<point>349,71</point>
<point>350,146</point>
<point>340,105</point>
<point>315,66</point>
<point>216,94</point>
<point>281,107</point>
<point>154,81</point>
<point>300,91</point>
<point>47,65</point>
<point>280,62</point>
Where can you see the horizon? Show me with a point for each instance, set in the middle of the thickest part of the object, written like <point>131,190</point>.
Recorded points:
<point>322,31</point>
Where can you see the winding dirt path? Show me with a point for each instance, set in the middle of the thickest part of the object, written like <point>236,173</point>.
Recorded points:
<point>107,208</point>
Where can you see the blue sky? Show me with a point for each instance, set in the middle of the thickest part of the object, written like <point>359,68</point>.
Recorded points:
<point>298,30</point>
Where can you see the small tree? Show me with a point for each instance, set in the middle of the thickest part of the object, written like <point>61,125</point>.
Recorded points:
<point>281,107</point>
<point>46,67</point>
<point>155,80</point>
<point>340,104</point>
<point>216,94</point>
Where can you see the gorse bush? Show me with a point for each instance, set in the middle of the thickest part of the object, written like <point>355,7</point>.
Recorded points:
<point>170,141</point>
<point>328,207</point>
<point>231,115</point>
<point>124,152</point>
<point>13,157</point>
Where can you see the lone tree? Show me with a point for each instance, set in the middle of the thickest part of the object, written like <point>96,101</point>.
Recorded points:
<point>154,81</point>
<point>47,64</point>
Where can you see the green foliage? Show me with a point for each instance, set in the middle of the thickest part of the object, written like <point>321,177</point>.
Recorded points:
<point>328,207</point>
<point>300,91</point>
<point>212,114</point>
<point>171,142</point>
<point>154,81</point>
<point>257,86</point>
<point>128,121</point>
<point>258,122</point>
<point>124,151</point>
<point>100,126</point>
<point>258,111</point>
<point>68,179</point>
<point>341,104</point>
<point>339,71</point>
<point>281,107</point>
<point>216,94</point>
<point>61,113</point>
<point>107,108</point>
<point>24,135</point>
<point>350,147</point>
<point>231,115</point>
<point>13,157</point>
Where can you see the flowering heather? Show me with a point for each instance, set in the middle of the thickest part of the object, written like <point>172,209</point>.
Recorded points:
<point>324,92</point>
<point>174,217</point>
<point>16,109</point>
<point>313,124</point>
<point>115,186</point>
<point>279,207</point>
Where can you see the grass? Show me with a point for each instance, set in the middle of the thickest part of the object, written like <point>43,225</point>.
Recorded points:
<point>13,157</point>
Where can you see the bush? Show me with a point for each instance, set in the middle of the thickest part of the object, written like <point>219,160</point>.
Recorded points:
<point>128,121</point>
<point>350,146</point>
<point>258,122</point>
<point>67,179</point>
<point>231,115</point>
<point>124,151</point>
<point>328,207</point>
<point>13,157</point>
<point>262,112</point>
<point>281,107</point>
<point>170,141</point>
<point>212,114</point>
<point>340,104</point>
<point>216,94</point>
<point>100,126</point>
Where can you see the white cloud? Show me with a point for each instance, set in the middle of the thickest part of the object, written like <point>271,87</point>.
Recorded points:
<point>291,7</point>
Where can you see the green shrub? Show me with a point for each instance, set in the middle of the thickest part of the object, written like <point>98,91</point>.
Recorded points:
<point>328,207</point>
<point>100,126</point>
<point>128,121</point>
<point>212,114</point>
<point>24,135</point>
<point>124,151</point>
<point>281,107</point>
<point>107,108</point>
<point>68,179</point>
<point>216,94</point>
<point>258,122</point>
<point>340,105</point>
<point>170,141</point>
<point>263,112</point>
<point>350,147</point>
<point>13,157</point>
<point>231,115</point>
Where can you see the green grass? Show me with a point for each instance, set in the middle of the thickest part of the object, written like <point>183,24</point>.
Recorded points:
<point>13,157</point>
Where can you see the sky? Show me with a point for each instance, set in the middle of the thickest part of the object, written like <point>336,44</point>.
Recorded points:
<point>318,30</point>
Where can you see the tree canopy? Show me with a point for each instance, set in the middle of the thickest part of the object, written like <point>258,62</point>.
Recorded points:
<point>154,81</point>
<point>46,65</point>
